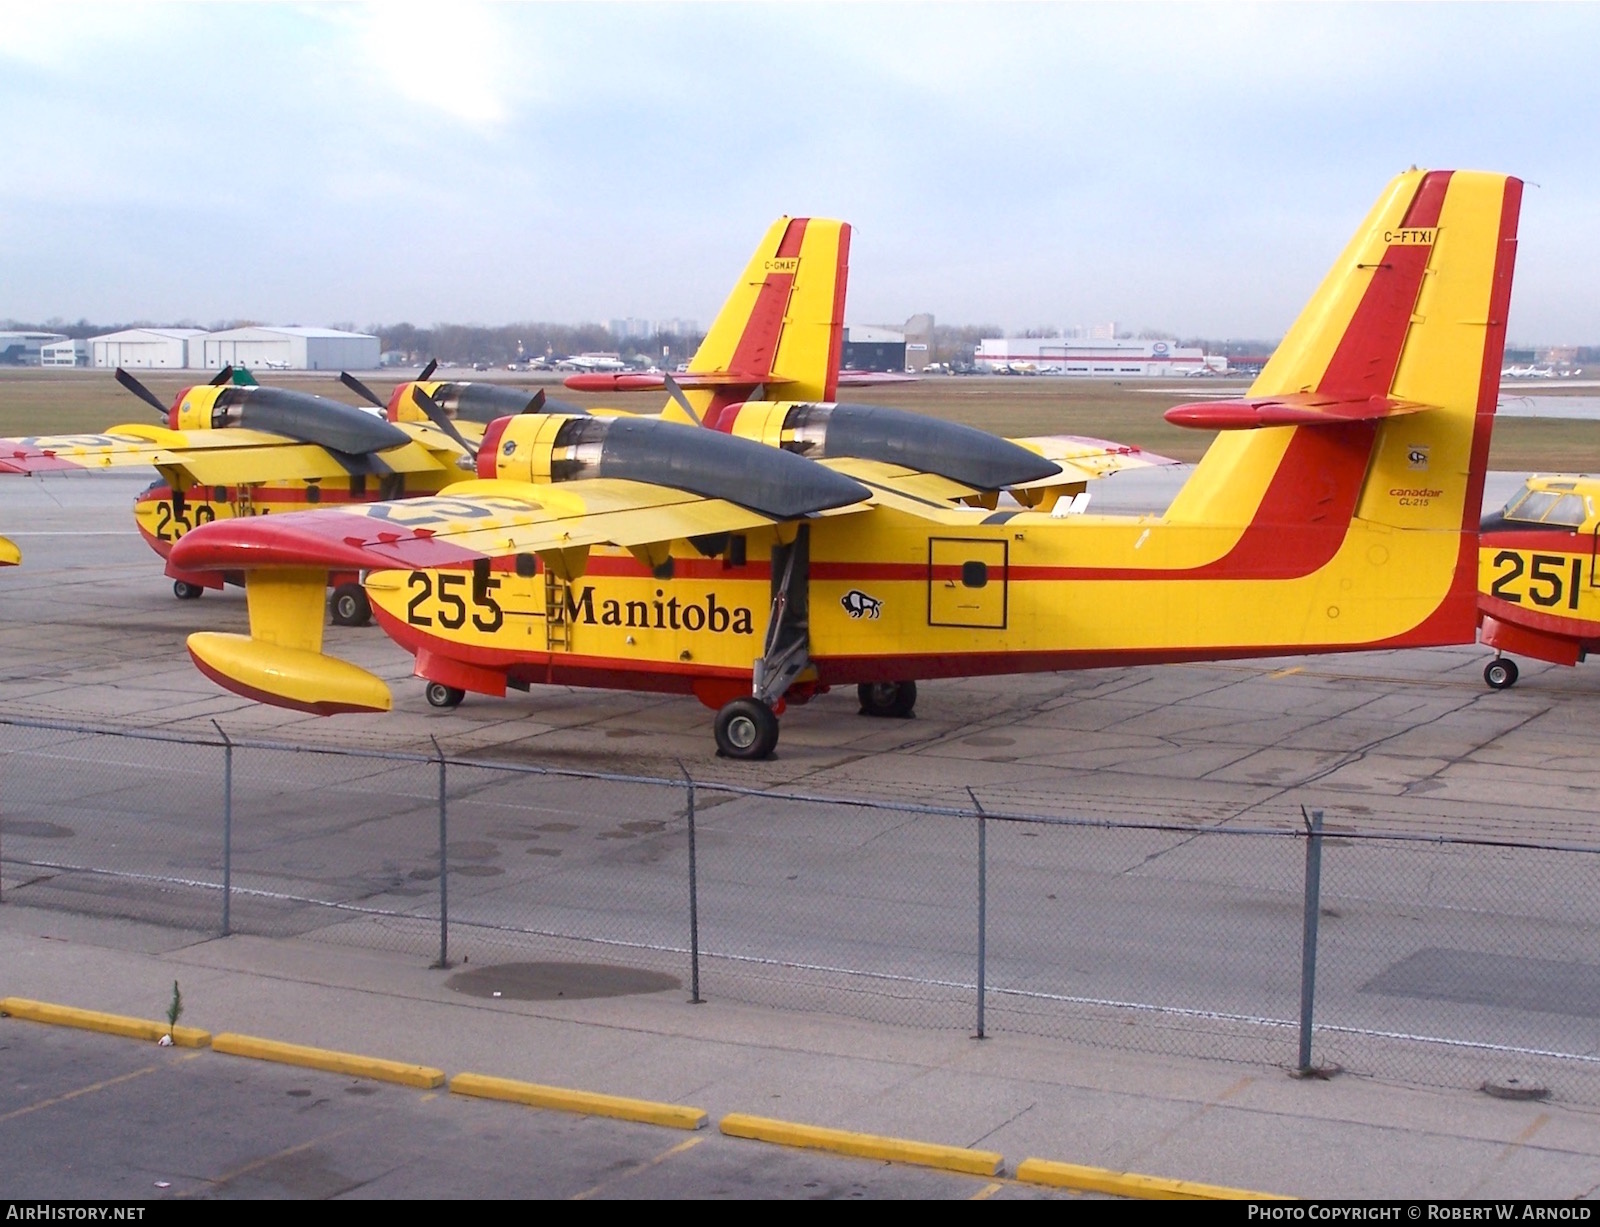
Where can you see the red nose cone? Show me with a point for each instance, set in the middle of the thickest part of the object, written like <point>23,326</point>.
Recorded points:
<point>400,393</point>
<point>489,450</point>
<point>177,405</point>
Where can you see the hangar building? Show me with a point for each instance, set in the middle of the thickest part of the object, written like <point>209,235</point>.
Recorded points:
<point>1103,358</point>
<point>286,349</point>
<point>22,348</point>
<point>144,347</point>
<point>64,353</point>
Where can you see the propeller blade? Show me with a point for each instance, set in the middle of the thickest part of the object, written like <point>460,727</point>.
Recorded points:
<point>683,401</point>
<point>361,389</point>
<point>427,371</point>
<point>441,419</point>
<point>139,390</point>
<point>224,376</point>
<point>536,405</point>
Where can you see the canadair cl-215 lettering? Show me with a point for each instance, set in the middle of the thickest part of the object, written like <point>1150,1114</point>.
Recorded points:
<point>862,564</point>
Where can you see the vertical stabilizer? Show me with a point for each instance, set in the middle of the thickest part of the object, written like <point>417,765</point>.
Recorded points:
<point>783,326</point>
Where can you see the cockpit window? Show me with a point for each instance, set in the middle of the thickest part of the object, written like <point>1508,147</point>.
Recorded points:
<point>1569,509</point>
<point>1531,506</point>
<point>1547,507</point>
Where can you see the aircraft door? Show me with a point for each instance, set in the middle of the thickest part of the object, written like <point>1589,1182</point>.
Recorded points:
<point>967,583</point>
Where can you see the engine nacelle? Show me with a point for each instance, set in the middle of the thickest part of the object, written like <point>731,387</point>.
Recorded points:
<point>471,402</point>
<point>556,447</point>
<point>295,415</point>
<point>874,432</point>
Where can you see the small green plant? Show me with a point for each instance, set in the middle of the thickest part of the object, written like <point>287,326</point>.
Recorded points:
<point>174,1010</point>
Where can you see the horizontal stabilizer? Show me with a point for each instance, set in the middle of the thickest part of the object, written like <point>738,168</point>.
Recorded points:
<point>1082,458</point>
<point>1291,409</point>
<point>726,381</point>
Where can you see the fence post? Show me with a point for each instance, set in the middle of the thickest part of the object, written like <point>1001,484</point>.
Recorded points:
<point>983,905</point>
<point>444,861</point>
<point>1308,941</point>
<point>694,899</point>
<point>227,830</point>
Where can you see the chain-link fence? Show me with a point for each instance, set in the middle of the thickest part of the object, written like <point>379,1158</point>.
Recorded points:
<point>1439,961</point>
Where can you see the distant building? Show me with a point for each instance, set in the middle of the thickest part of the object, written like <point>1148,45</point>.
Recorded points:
<point>144,347</point>
<point>22,348</point>
<point>64,353</point>
<point>286,349</point>
<point>868,347</point>
<point>1094,358</point>
<point>631,329</point>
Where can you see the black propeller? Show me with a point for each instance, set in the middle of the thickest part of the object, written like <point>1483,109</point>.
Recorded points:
<point>683,401</point>
<point>361,389</point>
<point>427,371</point>
<point>441,419</point>
<point>222,377</point>
<point>536,405</point>
<point>139,390</point>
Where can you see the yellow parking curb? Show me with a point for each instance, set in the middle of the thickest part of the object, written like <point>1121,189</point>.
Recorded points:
<point>323,1058</point>
<point>589,1103</point>
<point>1131,1184</point>
<point>862,1145</point>
<point>109,1024</point>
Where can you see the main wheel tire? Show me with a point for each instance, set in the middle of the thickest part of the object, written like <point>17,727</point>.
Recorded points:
<point>1500,673</point>
<point>440,695</point>
<point>746,728</point>
<point>186,591</point>
<point>349,606</point>
<point>887,700</point>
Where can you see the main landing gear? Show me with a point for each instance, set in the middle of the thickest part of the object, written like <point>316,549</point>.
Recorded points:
<point>1500,673</point>
<point>185,591</point>
<point>887,700</point>
<point>350,607</point>
<point>746,728</point>
<point>440,695</point>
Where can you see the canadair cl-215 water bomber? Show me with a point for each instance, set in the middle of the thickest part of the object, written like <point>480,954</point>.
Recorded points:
<point>812,545</point>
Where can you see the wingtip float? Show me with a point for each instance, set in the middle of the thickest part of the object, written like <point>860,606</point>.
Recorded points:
<point>1338,512</point>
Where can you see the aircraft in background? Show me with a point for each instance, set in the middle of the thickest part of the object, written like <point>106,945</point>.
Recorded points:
<point>231,448</point>
<point>1337,510</point>
<point>1528,372</point>
<point>592,362</point>
<point>1538,594</point>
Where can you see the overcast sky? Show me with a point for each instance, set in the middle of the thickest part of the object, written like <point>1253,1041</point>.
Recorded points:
<point>1189,168</point>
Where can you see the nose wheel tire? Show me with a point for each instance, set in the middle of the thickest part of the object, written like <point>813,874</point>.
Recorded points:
<point>349,606</point>
<point>746,728</point>
<point>186,591</point>
<point>1500,673</point>
<point>887,700</point>
<point>440,695</point>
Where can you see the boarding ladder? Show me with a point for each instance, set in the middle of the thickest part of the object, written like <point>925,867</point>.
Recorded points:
<point>557,628</point>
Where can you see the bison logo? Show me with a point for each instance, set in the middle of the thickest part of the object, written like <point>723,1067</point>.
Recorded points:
<point>858,604</point>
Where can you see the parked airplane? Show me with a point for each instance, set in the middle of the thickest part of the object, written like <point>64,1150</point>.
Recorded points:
<point>1538,594</point>
<point>1336,511</point>
<point>232,449</point>
<point>592,362</point>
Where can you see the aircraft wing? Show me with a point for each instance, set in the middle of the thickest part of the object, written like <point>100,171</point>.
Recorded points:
<point>223,457</point>
<point>1085,459</point>
<point>882,477</point>
<point>473,520</point>
<point>689,381</point>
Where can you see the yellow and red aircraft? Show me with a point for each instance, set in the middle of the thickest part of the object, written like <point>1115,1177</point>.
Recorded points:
<point>10,555</point>
<point>782,331</point>
<point>1336,511</point>
<point>230,450</point>
<point>1538,594</point>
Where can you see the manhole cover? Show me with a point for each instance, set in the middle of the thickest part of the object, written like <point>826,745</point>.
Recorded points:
<point>563,981</point>
<point>35,830</point>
